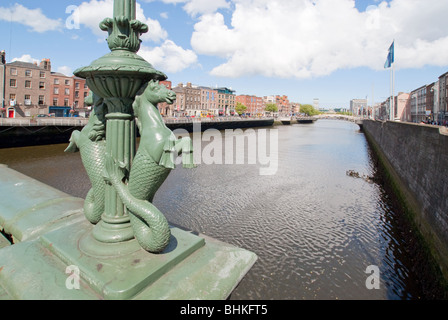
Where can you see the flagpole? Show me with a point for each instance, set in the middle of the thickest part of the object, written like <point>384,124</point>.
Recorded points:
<point>393,91</point>
<point>390,94</point>
<point>390,62</point>
<point>392,111</point>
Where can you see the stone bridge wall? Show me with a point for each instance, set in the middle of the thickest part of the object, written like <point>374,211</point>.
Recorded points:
<point>416,158</point>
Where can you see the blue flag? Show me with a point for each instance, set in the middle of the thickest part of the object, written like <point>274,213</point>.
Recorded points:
<point>390,56</point>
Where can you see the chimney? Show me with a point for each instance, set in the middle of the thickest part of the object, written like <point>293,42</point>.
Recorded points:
<point>45,64</point>
<point>3,57</point>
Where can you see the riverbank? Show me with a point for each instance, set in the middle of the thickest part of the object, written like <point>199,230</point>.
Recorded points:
<point>51,131</point>
<point>415,158</point>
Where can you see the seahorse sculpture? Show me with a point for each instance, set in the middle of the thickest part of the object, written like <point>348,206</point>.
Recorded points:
<point>92,146</point>
<point>151,166</point>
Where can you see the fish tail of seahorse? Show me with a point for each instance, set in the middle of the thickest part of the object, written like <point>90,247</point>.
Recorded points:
<point>151,229</point>
<point>93,209</point>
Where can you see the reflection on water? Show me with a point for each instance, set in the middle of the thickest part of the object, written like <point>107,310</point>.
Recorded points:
<point>314,228</point>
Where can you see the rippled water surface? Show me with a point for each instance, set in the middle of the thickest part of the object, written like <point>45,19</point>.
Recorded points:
<point>314,228</point>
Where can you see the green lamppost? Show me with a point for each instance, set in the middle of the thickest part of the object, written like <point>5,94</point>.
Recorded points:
<point>126,249</point>
<point>125,86</point>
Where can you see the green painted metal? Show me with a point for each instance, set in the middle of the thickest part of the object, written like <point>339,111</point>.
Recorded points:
<point>4,242</point>
<point>125,249</point>
<point>126,87</point>
<point>192,267</point>
<point>29,208</point>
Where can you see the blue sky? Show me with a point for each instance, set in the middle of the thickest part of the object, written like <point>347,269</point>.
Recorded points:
<point>333,50</point>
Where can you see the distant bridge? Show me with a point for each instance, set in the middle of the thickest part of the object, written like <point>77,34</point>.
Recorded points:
<point>358,120</point>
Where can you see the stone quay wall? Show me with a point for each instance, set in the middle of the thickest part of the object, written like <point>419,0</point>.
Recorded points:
<point>416,159</point>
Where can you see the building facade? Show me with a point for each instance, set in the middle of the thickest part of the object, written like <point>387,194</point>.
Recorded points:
<point>209,101</point>
<point>30,90</point>
<point>254,104</point>
<point>358,107</point>
<point>165,109</point>
<point>226,101</point>
<point>418,104</point>
<point>283,104</point>
<point>188,100</point>
<point>443,98</point>
<point>68,94</point>
<point>27,91</point>
<point>402,107</point>
<point>2,83</point>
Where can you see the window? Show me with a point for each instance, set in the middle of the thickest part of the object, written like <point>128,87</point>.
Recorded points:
<point>67,91</point>
<point>27,100</point>
<point>76,94</point>
<point>12,99</point>
<point>42,74</point>
<point>56,81</point>
<point>65,102</point>
<point>77,85</point>
<point>41,100</point>
<point>67,82</point>
<point>56,90</point>
<point>28,84</point>
<point>55,102</point>
<point>13,71</point>
<point>42,85</point>
<point>13,83</point>
<point>28,73</point>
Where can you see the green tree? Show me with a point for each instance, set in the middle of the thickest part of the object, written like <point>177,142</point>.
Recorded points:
<point>240,108</point>
<point>271,107</point>
<point>308,110</point>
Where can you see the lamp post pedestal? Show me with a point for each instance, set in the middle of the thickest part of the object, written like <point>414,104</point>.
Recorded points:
<point>126,248</point>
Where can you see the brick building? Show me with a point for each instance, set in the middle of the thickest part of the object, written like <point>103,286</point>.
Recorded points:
<point>254,104</point>
<point>26,88</point>
<point>29,89</point>
<point>188,100</point>
<point>283,104</point>
<point>68,94</point>
<point>165,109</point>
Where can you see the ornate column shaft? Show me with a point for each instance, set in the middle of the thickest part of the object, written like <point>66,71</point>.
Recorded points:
<point>121,145</point>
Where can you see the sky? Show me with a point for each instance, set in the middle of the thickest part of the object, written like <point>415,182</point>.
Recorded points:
<point>331,50</point>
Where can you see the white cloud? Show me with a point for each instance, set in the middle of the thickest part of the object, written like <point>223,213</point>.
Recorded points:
<point>33,18</point>
<point>65,70</point>
<point>195,7</point>
<point>93,12</point>
<point>306,38</point>
<point>26,58</point>
<point>198,7</point>
<point>169,57</point>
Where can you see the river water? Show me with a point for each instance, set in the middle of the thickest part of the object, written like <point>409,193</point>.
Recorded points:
<point>319,233</point>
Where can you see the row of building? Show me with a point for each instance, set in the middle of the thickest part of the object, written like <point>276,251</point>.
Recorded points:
<point>31,89</point>
<point>428,103</point>
<point>195,100</point>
